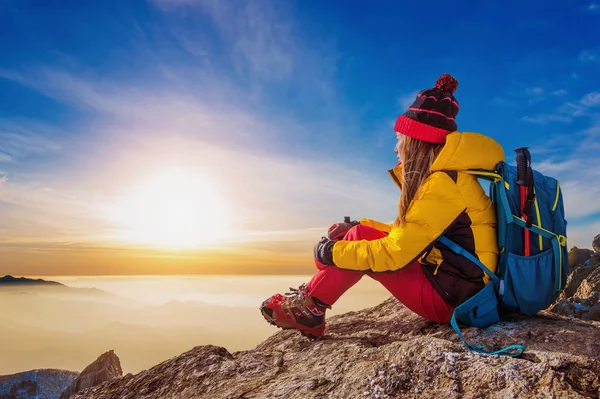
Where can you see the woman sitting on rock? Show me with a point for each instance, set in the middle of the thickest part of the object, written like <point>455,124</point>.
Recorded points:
<point>438,199</point>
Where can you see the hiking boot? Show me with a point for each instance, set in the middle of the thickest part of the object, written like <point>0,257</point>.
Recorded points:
<point>296,310</point>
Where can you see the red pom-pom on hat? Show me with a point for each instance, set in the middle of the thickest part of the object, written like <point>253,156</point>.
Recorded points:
<point>446,83</point>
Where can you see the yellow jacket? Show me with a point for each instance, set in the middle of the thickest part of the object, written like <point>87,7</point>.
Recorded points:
<point>450,202</point>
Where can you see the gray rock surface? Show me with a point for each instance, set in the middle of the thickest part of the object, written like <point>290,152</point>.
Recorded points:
<point>581,297</point>
<point>36,384</point>
<point>578,257</point>
<point>105,368</point>
<point>383,352</point>
<point>596,244</point>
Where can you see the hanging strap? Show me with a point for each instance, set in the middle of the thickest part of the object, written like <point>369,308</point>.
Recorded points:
<point>506,351</point>
<point>510,350</point>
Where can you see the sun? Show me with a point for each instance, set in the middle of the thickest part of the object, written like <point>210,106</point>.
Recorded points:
<point>174,208</point>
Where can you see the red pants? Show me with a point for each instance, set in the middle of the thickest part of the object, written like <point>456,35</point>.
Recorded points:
<point>409,285</point>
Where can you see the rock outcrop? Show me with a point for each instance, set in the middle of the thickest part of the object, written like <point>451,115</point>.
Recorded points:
<point>36,384</point>
<point>22,390</point>
<point>596,244</point>
<point>578,257</point>
<point>383,352</point>
<point>105,368</point>
<point>55,384</point>
<point>581,297</point>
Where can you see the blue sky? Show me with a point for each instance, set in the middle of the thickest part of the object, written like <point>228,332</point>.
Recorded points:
<point>285,108</point>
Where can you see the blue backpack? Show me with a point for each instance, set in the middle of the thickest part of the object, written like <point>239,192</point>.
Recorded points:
<point>533,263</point>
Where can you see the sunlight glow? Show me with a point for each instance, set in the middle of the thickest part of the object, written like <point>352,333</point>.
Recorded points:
<point>175,208</point>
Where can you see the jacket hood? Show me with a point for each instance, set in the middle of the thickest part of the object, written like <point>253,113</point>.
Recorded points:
<point>468,150</point>
<point>461,152</point>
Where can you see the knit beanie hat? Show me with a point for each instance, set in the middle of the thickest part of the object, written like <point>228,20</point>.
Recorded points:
<point>431,117</point>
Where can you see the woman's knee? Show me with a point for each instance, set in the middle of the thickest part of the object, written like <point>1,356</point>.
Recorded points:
<point>362,232</point>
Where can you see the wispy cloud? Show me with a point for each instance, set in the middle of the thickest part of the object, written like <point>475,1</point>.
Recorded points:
<point>572,158</point>
<point>513,97</point>
<point>263,40</point>
<point>593,7</point>
<point>139,105</point>
<point>197,45</point>
<point>539,94</point>
<point>555,165</point>
<point>572,109</point>
<point>36,211</point>
<point>575,166</point>
<point>544,119</point>
<point>567,111</point>
<point>175,3</point>
<point>591,99</point>
<point>406,100</point>
<point>580,193</point>
<point>534,91</point>
<point>554,146</point>
<point>588,56</point>
<point>581,235</point>
<point>20,138</point>
<point>60,85</point>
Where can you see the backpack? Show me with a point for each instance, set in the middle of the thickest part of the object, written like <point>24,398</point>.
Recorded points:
<point>533,262</point>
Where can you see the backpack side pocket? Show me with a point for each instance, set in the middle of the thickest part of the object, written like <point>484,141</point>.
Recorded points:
<point>481,310</point>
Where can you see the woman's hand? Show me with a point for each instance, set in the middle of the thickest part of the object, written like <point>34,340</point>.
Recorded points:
<point>324,252</point>
<point>337,231</point>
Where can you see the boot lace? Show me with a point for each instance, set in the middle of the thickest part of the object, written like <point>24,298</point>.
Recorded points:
<point>297,295</point>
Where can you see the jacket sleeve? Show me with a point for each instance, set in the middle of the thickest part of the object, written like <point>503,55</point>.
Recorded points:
<point>437,204</point>
<point>385,227</point>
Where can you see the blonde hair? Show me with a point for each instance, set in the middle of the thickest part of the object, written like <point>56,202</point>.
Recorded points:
<point>417,158</point>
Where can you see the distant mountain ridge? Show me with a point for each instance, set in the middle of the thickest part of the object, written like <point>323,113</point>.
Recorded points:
<point>10,280</point>
<point>25,282</point>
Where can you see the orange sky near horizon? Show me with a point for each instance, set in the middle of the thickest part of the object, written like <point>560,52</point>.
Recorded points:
<point>47,260</point>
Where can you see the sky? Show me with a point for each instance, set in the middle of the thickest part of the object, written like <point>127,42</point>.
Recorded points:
<point>206,136</point>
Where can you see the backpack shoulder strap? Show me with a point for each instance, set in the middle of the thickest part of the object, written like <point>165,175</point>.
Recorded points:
<point>457,249</point>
